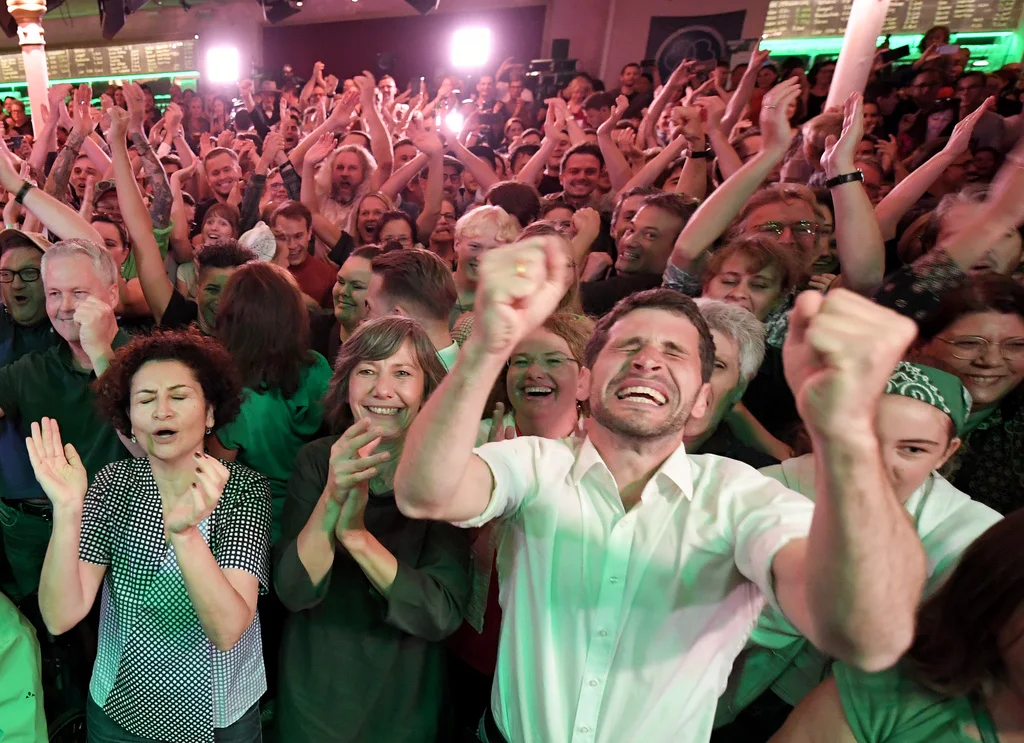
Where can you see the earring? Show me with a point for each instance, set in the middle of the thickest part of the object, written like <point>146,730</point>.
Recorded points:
<point>133,438</point>
<point>208,431</point>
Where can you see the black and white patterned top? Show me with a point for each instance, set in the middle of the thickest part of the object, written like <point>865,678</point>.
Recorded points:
<point>156,674</point>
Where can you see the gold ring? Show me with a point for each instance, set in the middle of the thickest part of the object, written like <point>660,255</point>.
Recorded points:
<point>520,268</point>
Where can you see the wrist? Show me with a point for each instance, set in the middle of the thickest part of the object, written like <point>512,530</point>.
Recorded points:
<point>833,169</point>
<point>355,541</point>
<point>849,434</point>
<point>183,538</point>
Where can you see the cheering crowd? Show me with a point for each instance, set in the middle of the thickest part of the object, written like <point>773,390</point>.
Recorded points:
<point>685,411</point>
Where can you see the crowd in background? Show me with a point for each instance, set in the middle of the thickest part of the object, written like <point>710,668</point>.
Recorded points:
<point>711,390</point>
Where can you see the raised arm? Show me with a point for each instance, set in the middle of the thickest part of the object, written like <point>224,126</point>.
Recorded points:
<point>403,175</point>
<point>160,211</point>
<point>668,93</point>
<point>67,585</point>
<point>60,174</point>
<point>619,170</point>
<point>853,587</point>
<point>380,140</point>
<point>907,192</point>
<point>728,161</point>
<point>438,475</point>
<point>482,173</point>
<point>323,228</point>
<point>433,193</point>
<point>156,287</point>
<point>713,216</point>
<point>745,89</point>
<point>858,238</point>
<point>340,117</point>
<point>46,142</point>
<point>553,126</point>
<point>307,89</point>
<point>179,239</point>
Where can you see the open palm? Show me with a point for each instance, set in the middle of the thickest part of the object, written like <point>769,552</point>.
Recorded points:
<point>57,466</point>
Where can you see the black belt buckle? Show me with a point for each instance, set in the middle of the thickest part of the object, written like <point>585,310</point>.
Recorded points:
<point>40,510</point>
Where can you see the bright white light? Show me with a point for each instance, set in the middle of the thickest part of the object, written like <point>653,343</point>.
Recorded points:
<point>471,47</point>
<point>455,121</point>
<point>223,64</point>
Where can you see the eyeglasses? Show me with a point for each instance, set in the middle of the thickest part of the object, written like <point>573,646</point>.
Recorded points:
<point>28,275</point>
<point>551,362</point>
<point>799,229</point>
<point>971,347</point>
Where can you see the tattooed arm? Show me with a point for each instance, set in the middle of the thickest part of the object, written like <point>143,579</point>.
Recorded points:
<point>160,211</point>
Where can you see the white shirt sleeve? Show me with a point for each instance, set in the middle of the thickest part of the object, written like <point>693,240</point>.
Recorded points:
<point>513,466</point>
<point>765,517</point>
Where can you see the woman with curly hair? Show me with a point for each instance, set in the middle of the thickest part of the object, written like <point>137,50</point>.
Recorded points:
<point>178,540</point>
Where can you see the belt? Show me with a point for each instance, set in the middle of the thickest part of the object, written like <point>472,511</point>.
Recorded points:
<point>489,732</point>
<point>31,507</point>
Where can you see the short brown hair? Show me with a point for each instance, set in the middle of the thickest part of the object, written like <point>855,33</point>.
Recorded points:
<point>377,340</point>
<point>220,151</point>
<point>521,200</point>
<point>764,252</point>
<point>228,213</point>
<point>657,299</point>
<point>263,323</point>
<point>211,364</point>
<point>417,277</point>
<point>292,210</point>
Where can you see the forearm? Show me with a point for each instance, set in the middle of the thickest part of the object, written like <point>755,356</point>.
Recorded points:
<point>61,595</point>
<point>223,613</point>
<point>59,218</point>
<point>43,146</point>
<point>858,239</point>
<point>718,211</point>
<point>693,181</point>
<point>646,136</point>
<point>535,165</point>
<point>315,543</point>
<point>96,156</point>
<point>482,173</point>
<point>380,145</point>
<point>728,161</point>
<point>619,171</point>
<point>132,299</point>
<point>740,98</point>
<point>908,192</point>
<point>185,153</point>
<point>433,194</point>
<point>649,173</point>
<point>440,442</point>
<point>576,135</point>
<point>160,210</point>
<point>250,207</point>
<point>307,192</point>
<point>60,173</point>
<point>373,558</point>
<point>868,562</point>
<point>400,178</point>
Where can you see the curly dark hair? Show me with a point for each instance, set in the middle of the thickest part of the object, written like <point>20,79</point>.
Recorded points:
<point>209,361</point>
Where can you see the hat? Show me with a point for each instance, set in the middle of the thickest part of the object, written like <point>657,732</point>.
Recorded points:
<point>260,239</point>
<point>939,389</point>
<point>102,188</point>
<point>36,238</point>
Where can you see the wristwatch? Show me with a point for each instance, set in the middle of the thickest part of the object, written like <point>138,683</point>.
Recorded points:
<point>857,175</point>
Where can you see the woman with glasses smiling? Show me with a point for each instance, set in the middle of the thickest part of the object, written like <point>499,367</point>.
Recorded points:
<point>978,330</point>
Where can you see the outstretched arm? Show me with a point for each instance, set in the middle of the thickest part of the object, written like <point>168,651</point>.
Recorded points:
<point>619,170</point>
<point>380,140</point>
<point>745,90</point>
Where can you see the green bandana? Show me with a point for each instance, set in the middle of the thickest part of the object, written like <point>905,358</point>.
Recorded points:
<point>937,388</point>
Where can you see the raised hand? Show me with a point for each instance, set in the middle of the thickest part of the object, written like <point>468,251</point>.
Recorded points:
<point>323,147</point>
<point>206,145</point>
<point>520,286</point>
<point>272,145</point>
<point>348,466</point>
<point>960,140</point>
<point>57,466</point>
<point>57,95</point>
<point>330,84</point>
<point>712,109</point>
<point>246,88</point>
<point>586,223</point>
<point>343,110</point>
<point>757,58</point>
<point>118,125</point>
<point>426,142</point>
<point>839,154</point>
<point>198,502</point>
<point>225,138</point>
<point>235,195</point>
<point>608,125</point>
<point>318,71</point>
<point>554,123</point>
<point>838,355</point>
<point>135,100</point>
<point>173,116</point>
<point>888,150</point>
<point>367,86</point>
<point>688,122</point>
<point>83,120</point>
<point>775,129</point>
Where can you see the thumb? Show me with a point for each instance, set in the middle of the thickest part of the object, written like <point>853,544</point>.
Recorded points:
<point>71,454</point>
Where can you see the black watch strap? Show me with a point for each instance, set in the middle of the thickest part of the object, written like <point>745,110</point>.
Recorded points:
<point>702,154</point>
<point>857,175</point>
<point>22,192</point>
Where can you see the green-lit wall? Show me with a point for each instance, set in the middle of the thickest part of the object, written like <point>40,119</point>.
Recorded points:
<point>187,79</point>
<point>989,50</point>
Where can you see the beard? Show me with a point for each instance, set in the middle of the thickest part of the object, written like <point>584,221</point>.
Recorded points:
<point>639,428</point>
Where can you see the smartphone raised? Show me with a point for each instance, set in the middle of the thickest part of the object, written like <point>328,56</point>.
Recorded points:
<point>891,55</point>
<point>948,49</point>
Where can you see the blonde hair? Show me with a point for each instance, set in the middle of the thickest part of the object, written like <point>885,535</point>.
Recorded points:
<point>353,217</point>
<point>471,224</point>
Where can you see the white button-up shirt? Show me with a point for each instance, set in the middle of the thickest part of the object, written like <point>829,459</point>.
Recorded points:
<point>621,627</point>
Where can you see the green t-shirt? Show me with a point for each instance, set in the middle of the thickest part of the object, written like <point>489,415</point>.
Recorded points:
<point>129,270</point>
<point>889,707</point>
<point>270,430</point>
<point>47,383</point>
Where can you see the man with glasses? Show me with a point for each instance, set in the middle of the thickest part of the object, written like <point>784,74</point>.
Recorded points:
<point>990,130</point>
<point>24,328</point>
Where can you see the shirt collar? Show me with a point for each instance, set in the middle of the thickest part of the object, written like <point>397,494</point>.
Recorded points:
<point>68,359</point>
<point>676,468</point>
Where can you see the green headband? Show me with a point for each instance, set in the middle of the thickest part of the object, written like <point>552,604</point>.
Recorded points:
<point>933,386</point>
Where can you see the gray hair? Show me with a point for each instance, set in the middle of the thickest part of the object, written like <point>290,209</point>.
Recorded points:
<point>745,330</point>
<point>102,262</point>
<point>325,175</point>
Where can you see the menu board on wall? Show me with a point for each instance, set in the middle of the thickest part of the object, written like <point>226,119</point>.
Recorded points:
<point>807,18</point>
<point>159,58</point>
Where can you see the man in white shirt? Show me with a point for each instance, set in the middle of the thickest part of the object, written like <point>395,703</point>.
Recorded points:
<point>631,573</point>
